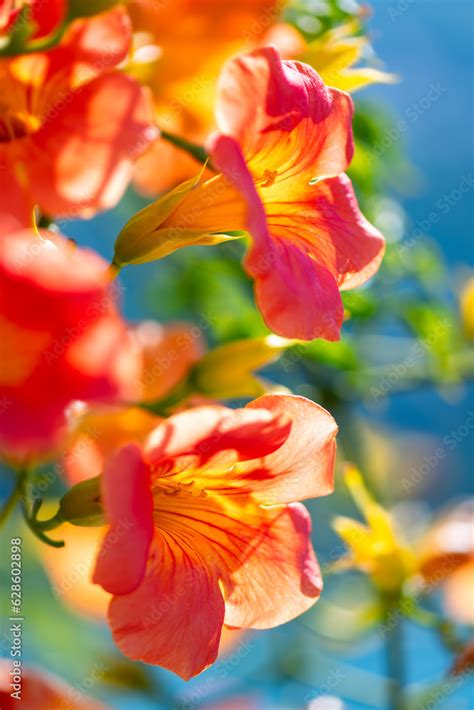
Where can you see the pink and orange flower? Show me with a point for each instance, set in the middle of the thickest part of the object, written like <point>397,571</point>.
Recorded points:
<point>61,339</point>
<point>70,125</point>
<point>284,141</point>
<point>203,518</point>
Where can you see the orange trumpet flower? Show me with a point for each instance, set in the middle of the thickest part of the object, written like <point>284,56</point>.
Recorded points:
<point>71,126</point>
<point>203,519</point>
<point>284,140</point>
<point>61,339</point>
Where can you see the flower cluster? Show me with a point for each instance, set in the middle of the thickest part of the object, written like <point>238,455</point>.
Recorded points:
<point>198,504</point>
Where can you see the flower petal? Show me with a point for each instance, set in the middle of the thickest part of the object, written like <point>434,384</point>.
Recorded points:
<point>174,618</point>
<point>283,562</point>
<point>98,433</point>
<point>247,547</point>
<point>128,503</point>
<point>15,204</point>
<point>303,466</point>
<point>206,437</point>
<point>168,354</point>
<point>298,297</point>
<point>283,115</point>
<point>82,157</point>
<point>325,220</point>
<point>54,298</point>
<point>90,47</point>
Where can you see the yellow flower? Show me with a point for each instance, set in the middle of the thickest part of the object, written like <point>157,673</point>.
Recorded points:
<point>333,55</point>
<point>374,548</point>
<point>466,303</point>
<point>228,371</point>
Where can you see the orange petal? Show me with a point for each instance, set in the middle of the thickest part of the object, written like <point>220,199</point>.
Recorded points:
<point>174,618</point>
<point>325,220</point>
<point>214,437</point>
<point>283,561</point>
<point>99,433</point>
<point>128,504</point>
<point>51,288</point>
<point>457,594</point>
<point>91,46</point>
<point>168,354</point>
<point>245,546</point>
<point>284,117</point>
<point>81,159</point>
<point>300,466</point>
<point>303,467</point>
<point>298,297</point>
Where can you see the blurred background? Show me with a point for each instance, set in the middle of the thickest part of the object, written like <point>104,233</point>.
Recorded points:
<point>399,384</point>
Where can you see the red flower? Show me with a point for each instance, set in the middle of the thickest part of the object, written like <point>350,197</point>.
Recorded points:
<point>205,530</point>
<point>70,126</point>
<point>61,339</point>
<point>284,140</point>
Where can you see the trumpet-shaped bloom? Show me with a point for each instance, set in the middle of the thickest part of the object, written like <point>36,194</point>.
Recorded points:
<point>61,339</point>
<point>284,141</point>
<point>203,521</point>
<point>70,126</point>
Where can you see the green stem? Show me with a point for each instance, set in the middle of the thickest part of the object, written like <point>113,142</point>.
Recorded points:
<point>394,652</point>
<point>40,45</point>
<point>49,524</point>
<point>197,151</point>
<point>37,532</point>
<point>445,628</point>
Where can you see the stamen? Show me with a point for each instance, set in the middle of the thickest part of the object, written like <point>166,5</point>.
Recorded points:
<point>269,177</point>
<point>169,487</point>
